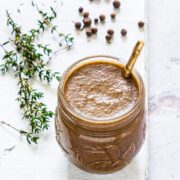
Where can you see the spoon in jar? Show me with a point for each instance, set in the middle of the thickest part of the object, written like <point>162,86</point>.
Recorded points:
<point>132,60</point>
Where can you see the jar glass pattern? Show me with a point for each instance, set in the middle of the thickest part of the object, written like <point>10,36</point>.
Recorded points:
<point>100,146</point>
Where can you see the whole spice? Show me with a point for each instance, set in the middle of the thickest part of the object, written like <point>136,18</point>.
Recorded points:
<point>110,32</point>
<point>94,30</point>
<point>123,32</point>
<point>88,33</point>
<point>86,14</point>
<point>113,15</point>
<point>26,60</point>
<point>80,9</point>
<point>141,24</point>
<point>78,25</point>
<point>96,20</point>
<point>116,4</point>
<point>87,22</point>
<point>108,38</point>
<point>102,17</point>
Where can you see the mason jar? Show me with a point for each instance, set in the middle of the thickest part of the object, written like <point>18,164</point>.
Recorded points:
<point>100,146</point>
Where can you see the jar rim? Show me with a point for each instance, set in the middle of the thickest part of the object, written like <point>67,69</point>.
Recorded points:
<point>86,121</point>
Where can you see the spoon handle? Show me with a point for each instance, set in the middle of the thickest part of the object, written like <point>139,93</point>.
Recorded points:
<point>132,60</point>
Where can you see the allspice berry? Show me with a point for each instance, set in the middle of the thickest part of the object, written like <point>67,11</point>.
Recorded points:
<point>96,20</point>
<point>108,38</point>
<point>116,4</point>
<point>110,32</point>
<point>113,15</point>
<point>141,24</point>
<point>87,22</point>
<point>94,30</point>
<point>123,32</point>
<point>86,14</point>
<point>88,33</point>
<point>81,9</point>
<point>102,17</point>
<point>77,25</point>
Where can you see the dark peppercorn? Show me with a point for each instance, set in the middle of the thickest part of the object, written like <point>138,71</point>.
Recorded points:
<point>116,4</point>
<point>77,25</point>
<point>113,15</point>
<point>81,9</point>
<point>87,22</point>
<point>141,24</point>
<point>94,30</point>
<point>108,38</point>
<point>123,32</point>
<point>102,17</point>
<point>110,32</point>
<point>86,14</point>
<point>96,20</point>
<point>88,33</point>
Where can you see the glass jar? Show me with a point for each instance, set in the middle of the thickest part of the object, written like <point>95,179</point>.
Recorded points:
<point>100,146</point>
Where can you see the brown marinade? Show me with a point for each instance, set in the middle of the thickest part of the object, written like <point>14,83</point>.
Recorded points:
<point>98,90</point>
<point>100,122</point>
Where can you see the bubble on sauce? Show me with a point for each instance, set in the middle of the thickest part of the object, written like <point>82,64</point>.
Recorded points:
<point>98,90</point>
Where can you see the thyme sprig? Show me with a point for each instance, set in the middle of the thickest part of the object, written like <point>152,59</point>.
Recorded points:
<point>27,61</point>
<point>47,19</point>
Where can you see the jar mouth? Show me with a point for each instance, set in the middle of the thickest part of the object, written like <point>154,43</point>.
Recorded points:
<point>103,121</point>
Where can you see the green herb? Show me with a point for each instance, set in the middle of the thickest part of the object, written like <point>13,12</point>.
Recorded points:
<point>27,61</point>
<point>47,22</point>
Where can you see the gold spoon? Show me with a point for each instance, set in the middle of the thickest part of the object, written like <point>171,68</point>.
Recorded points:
<point>132,60</point>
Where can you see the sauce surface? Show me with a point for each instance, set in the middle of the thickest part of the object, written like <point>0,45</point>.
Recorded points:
<point>98,90</point>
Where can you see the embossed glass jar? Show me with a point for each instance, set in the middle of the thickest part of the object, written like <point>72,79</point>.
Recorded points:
<point>100,146</point>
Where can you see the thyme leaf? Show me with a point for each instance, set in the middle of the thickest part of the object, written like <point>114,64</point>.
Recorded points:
<point>26,60</point>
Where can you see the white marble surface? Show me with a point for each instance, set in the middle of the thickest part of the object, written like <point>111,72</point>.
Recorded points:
<point>164,89</point>
<point>45,161</point>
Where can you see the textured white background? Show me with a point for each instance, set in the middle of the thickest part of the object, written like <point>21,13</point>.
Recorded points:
<point>46,161</point>
<point>164,89</point>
